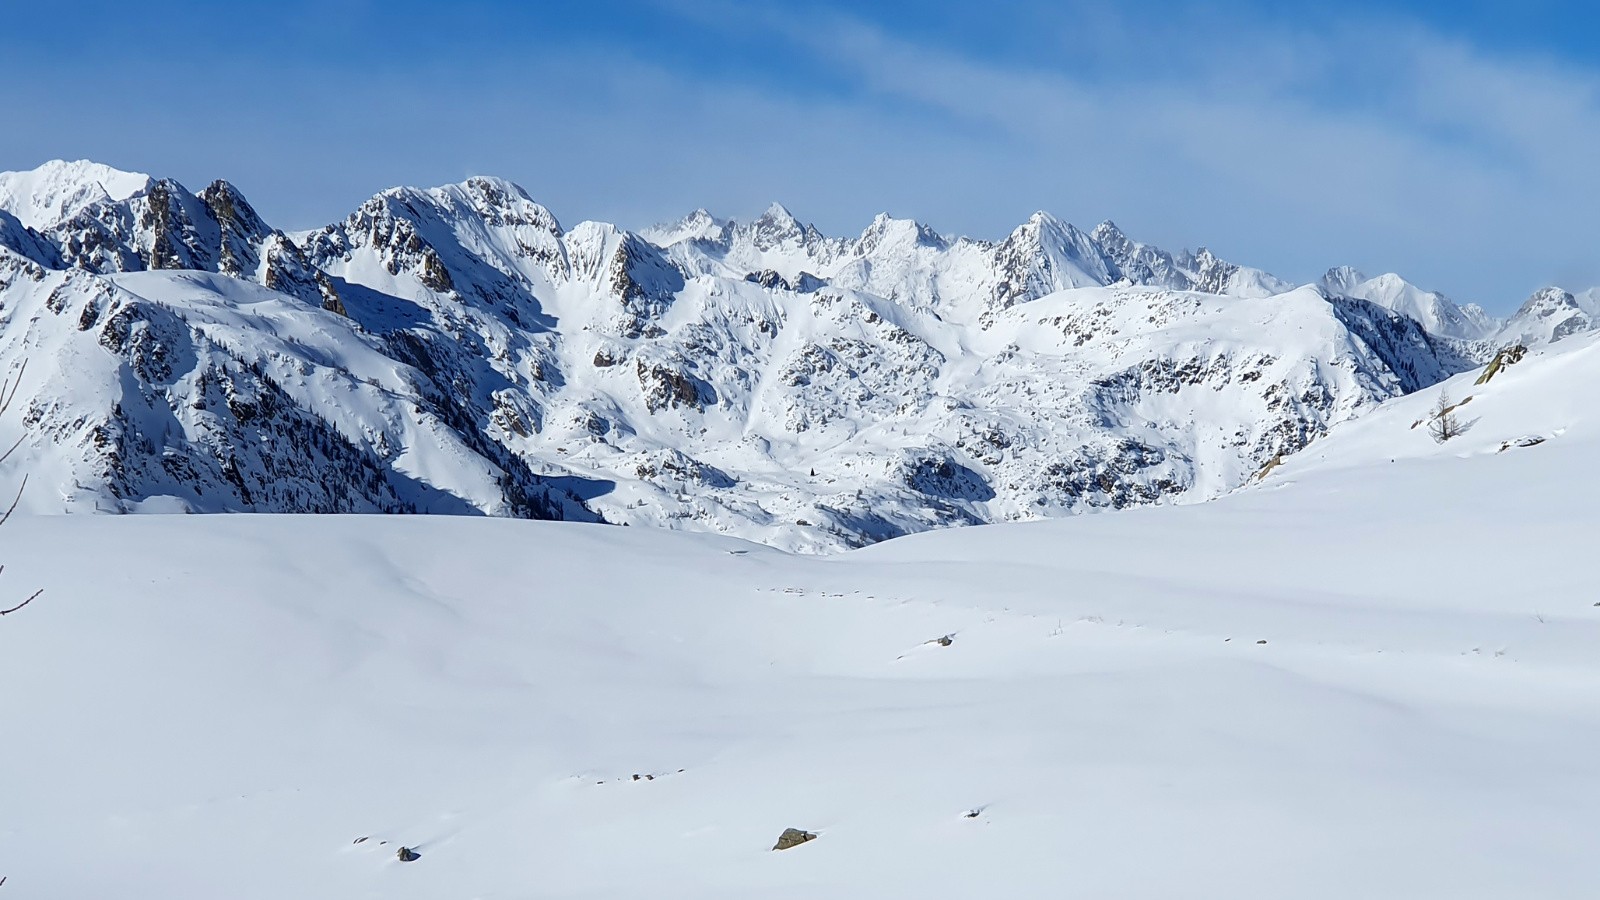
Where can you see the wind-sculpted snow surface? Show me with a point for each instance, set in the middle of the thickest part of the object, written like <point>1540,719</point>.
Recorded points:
<point>458,349</point>
<point>1371,676</point>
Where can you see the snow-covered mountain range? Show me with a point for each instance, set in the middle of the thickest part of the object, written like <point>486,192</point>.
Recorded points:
<point>457,349</point>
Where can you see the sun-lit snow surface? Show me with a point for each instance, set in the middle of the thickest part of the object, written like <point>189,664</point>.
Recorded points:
<point>1363,678</point>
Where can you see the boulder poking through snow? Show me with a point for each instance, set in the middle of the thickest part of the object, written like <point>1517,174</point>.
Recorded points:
<point>793,837</point>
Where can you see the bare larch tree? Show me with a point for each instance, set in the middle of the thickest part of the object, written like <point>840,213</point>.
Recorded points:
<point>1442,422</point>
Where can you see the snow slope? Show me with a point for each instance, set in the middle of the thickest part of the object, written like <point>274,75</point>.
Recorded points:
<point>1363,678</point>
<point>1541,404</point>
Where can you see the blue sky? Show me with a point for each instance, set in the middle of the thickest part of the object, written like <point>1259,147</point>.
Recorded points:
<point>1451,142</point>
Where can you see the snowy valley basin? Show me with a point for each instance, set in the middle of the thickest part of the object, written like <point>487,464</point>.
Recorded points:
<point>1370,674</point>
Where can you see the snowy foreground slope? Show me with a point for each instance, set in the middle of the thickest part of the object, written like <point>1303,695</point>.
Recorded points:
<point>1362,678</point>
<point>457,349</point>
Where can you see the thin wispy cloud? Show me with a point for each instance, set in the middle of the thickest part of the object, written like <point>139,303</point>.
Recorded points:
<point>1382,143</point>
<point>1293,145</point>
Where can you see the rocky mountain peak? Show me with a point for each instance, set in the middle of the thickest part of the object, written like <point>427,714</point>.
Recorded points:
<point>778,216</point>
<point>906,235</point>
<point>242,230</point>
<point>503,204</point>
<point>231,210</point>
<point>1042,224</point>
<point>1340,280</point>
<point>778,227</point>
<point>1549,315</point>
<point>1549,301</point>
<point>1110,237</point>
<point>59,189</point>
<point>1044,255</point>
<point>699,225</point>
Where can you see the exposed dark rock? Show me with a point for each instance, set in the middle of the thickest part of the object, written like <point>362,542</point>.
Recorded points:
<point>793,837</point>
<point>665,387</point>
<point>803,283</point>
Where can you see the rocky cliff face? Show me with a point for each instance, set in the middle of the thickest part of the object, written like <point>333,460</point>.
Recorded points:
<point>457,350</point>
<point>165,227</point>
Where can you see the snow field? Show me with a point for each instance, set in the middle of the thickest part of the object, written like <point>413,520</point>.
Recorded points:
<point>204,706</point>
